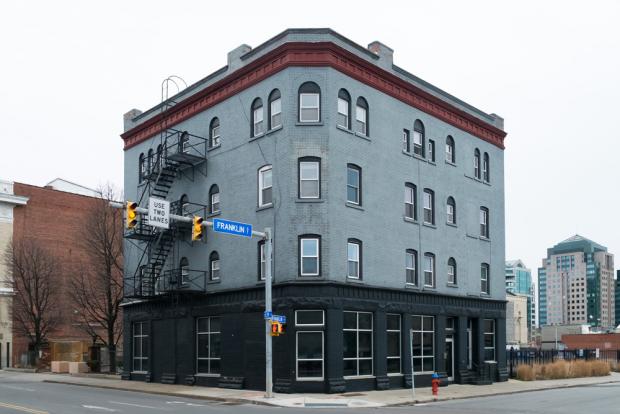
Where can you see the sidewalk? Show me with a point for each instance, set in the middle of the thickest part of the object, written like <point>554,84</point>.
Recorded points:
<point>353,400</point>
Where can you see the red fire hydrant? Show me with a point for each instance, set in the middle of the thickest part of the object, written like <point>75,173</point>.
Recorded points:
<point>435,384</point>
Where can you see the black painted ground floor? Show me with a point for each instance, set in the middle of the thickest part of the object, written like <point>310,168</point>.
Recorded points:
<point>339,337</point>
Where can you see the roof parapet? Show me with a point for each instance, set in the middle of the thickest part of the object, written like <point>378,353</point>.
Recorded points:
<point>385,53</point>
<point>128,119</point>
<point>234,57</point>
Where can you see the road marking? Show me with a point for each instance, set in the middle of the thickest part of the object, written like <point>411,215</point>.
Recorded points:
<point>13,387</point>
<point>175,402</point>
<point>94,407</point>
<point>136,405</point>
<point>23,409</point>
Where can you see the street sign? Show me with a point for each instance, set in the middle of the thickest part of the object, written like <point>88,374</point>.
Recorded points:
<point>267,314</point>
<point>278,318</point>
<point>159,213</point>
<point>232,227</point>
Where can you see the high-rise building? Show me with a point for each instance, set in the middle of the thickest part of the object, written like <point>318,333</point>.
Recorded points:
<point>617,294</point>
<point>519,281</point>
<point>576,284</point>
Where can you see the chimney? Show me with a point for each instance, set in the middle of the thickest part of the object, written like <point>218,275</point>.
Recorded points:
<point>128,118</point>
<point>498,121</point>
<point>386,54</point>
<point>234,57</point>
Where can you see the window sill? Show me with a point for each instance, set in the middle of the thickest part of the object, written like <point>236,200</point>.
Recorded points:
<point>410,220</point>
<point>208,375</point>
<point>451,225</point>
<point>362,136</point>
<point>311,278</point>
<point>400,374</point>
<point>486,239</point>
<point>452,285</point>
<point>214,147</point>
<point>431,225</point>
<point>272,130</point>
<point>255,137</point>
<point>411,286</point>
<point>354,377</point>
<point>139,372</point>
<point>309,200</point>
<point>471,236</point>
<point>310,379</point>
<point>214,282</point>
<point>485,295</point>
<point>432,162</point>
<point>450,163</point>
<point>428,287</point>
<point>217,213</point>
<point>345,129</point>
<point>355,280</point>
<point>407,153</point>
<point>299,123</point>
<point>265,207</point>
<point>354,206</point>
<point>418,157</point>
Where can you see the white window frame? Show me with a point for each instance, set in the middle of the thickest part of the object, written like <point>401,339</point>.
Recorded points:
<point>262,187</point>
<point>142,339</point>
<point>297,359</point>
<point>400,338</point>
<point>422,355</point>
<point>414,256</point>
<point>275,110</point>
<point>302,107</point>
<point>406,141</point>
<point>418,143</point>
<point>345,114</point>
<point>449,152</point>
<point>215,136</point>
<point>357,330</point>
<point>209,333</point>
<point>356,259</point>
<point>452,273</point>
<point>410,191</point>
<point>431,271</point>
<point>310,324</point>
<point>361,120</point>
<point>302,256</point>
<point>263,261</point>
<point>215,266</point>
<point>317,165</point>
<point>494,340</point>
<point>185,273</point>
<point>430,208</point>
<point>257,121</point>
<point>430,153</point>
<point>485,270</point>
<point>358,172</point>
<point>215,202</point>
<point>484,222</point>
<point>450,213</point>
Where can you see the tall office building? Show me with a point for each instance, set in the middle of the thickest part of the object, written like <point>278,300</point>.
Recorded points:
<point>519,281</point>
<point>576,284</point>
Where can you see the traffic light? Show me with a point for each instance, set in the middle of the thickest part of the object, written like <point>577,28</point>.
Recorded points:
<point>281,329</point>
<point>132,215</point>
<point>274,328</point>
<point>197,228</point>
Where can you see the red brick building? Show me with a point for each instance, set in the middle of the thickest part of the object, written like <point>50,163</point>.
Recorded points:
<point>606,342</point>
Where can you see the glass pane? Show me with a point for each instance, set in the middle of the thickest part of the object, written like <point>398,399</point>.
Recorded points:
<point>276,106</point>
<point>309,170</point>
<point>353,270</point>
<point>416,323</point>
<point>488,341</point>
<point>349,344</point>
<point>310,266</point>
<point>343,120</point>
<point>393,344</point>
<point>352,251</point>
<point>267,195</point>
<point>310,189</point>
<point>215,366</point>
<point>136,347</point>
<point>489,326</point>
<point>353,177</point>
<point>428,364</point>
<point>352,195</point>
<point>350,367</point>
<point>417,364</point>
<point>409,210</point>
<point>276,120</point>
<point>365,344</point>
<point>489,354</point>
<point>360,114</point>
<point>427,343</point>
<point>267,181</point>
<point>350,320</point>
<point>215,346</point>
<point>309,115</point>
<point>365,367</point>
<point>365,320</point>
<point>310,345</point>
<point>203,346</point>
<point>428,323</point>
<point>203,366</point>
<point>215,325</point>
<point>310,317</point>
<point>309,100</point>
<point>393,322</point>
<point>393,366</point>
<point>310,369</point>
<point>410,274</point>
<point>309,247</point>
<point>343,107</point>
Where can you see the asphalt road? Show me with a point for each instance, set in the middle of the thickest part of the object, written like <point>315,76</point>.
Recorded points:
<point>18,397</point>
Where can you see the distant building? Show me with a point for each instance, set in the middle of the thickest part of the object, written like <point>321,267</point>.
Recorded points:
<point>576,284</point>
<point>519,281</point>
<point>61,184</point>
<point>617,310</point>
<point>551,336</point>
<point>517,328</point>
<point>601,341</point>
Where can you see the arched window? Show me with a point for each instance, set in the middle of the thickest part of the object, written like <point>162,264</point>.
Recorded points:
<point>214,132</point>
<point>484,222</point>
<point>429,269</point>
<point>361,116</point>
<point>184,142</point>
<point>184,267</point>
<point>275,109</point>
<point>159,158</point>
<point>265,186</point>
<point>150,166</point>
<point>411,267</point>
<point>141,167</point>
<point>183,204</point>
<point>477,163</point>
<point>354,184</point>
<point>429,206</point>
<point>214,266</point>
<point>450,154</point>
<point>418,138</point>
<point>309,255</point>
<point>309,172</point>
<point>451,211</point>
<point>484,278</point>
<point>344,109</point>
<point>411,211</point>
<point>354,259</point>
<point>257,117</point>
<point>214,199</point>
<point>309,102</point>
<point>486,168</point>
<point>452,271</point>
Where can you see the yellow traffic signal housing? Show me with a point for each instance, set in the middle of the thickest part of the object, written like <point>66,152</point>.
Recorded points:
<point>197,228</point>
<point>275,330</point>
<point>281,329</point>
<point>132,214</point>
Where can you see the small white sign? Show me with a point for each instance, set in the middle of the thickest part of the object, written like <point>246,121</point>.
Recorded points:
<point>159,213</point>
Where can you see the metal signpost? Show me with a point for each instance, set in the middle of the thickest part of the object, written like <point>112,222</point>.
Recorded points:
<point>234,228</point>
<point>412,371</point>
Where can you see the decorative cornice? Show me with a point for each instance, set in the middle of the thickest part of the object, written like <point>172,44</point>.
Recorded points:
<point>321,54</point>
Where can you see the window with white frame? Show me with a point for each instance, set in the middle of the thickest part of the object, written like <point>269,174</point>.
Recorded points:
<point>484,278</point>
<point>344,109</point>
<point>410,201</point>
<point>309,102</point>
<point>418,138</point>
<point>411,267</point>
<point>141,168</point>
<point>310,344</point>
<point>431,150</point>
<point>208,349</point>
<point>484,222</point>
<point>357,342</point>
<point>485,167</point>
<point>429,206</point>
<point>451,211</point>
<point>309,177</point>
<point>354,259</point>
<point>477,163</point>
<point>214,265</point>
<point>214,133</point>
<point>214,199</point>
<point>265,186</point>
<point>406,141</point>
<point>361,116</point>
<point>450,155</point>
<point>354,184</point>
<point>393,344</point>
<point>423,344</point>
<point>429,269</point>
<point>184,266</point>
<point>184,142</point>
<point>452,271</point>
<point>257,117</point>
<point>275,109</point>
<point>309,255</point>
<point>140,354</point>
<point>261,260</point>
<point>489,340</point>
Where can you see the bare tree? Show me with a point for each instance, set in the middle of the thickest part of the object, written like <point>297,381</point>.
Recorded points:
<point>97,289</point>
<point>36,275</point>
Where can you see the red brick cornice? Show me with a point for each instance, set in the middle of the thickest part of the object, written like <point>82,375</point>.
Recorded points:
<point>324,54</point>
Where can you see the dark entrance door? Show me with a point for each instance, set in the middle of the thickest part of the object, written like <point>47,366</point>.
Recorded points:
<point>163,355</point>
<point>449,357</point>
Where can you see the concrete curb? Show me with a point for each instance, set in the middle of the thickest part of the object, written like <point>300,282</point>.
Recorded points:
<point>23,370</point>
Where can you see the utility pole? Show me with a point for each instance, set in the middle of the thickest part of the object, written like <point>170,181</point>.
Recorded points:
<point>268,310</point>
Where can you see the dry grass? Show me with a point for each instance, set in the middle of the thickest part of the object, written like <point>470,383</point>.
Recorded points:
<point>562,369</point>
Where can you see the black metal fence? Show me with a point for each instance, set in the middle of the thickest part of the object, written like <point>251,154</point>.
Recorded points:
<point>518,357</point>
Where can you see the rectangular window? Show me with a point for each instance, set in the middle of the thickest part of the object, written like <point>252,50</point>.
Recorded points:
<point>140,347</point>
<point>450,213</point>
<point>406,142</point>
<point>353,260</point>
<point>393,344</point>
<point>431,150</point>
<point>489,340</point>
<point>429,269</point>
<point>353,184</point>
<point>360,118</point>
<point>449,152</point>
<point>429,207</point>
<point>258,121</point>
<point>309,257</point>
<point>262,259</point>
<point>309,179</point>
<point>423,344</point>
<point>276,113</point>
<point>418,143</point>
<point>484,222</point>
<point>215,203</point>
<point>410,208</point>
<point>265,186</point>
<point>309,318</point>
<point>343,113</point>
<point>411,267</point>
<point>309,107</point>
<point>215,136</point>
<point>357,341</point>
<point>484,278</point>
<point>215,269</point>
<point>310,344</point>
<point>208,349</point>
<point>451,273</point>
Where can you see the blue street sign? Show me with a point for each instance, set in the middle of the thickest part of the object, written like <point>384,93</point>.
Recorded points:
<point>232,227</point>
<point>278,318</point>
<point>267,314</point>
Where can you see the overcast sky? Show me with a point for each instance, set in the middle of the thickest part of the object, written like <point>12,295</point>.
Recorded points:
<point>70,70</point>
